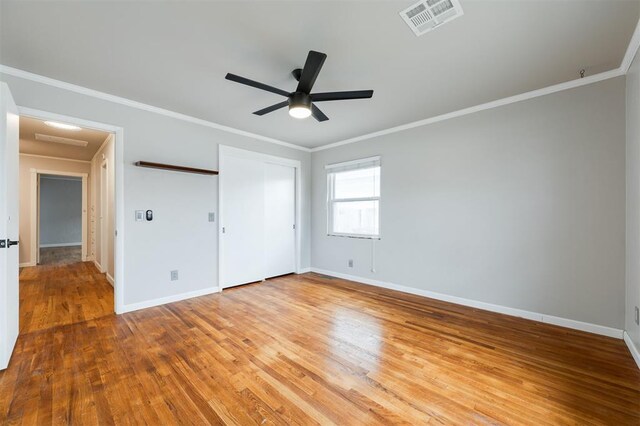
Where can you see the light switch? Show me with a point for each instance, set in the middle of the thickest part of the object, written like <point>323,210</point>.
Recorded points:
<point>212,217</point>
<point>139,215</point>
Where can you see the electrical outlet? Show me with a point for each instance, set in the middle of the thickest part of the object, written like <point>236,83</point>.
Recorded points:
<point>637,316</point>
<point>174,275</point>
<point>350,263</point>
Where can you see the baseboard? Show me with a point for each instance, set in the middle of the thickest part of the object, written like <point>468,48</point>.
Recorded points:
<point>535,316</point>
<point>110,279</point>
<point>60,245</point>
<point>304,270</point>
<point>635,352</point>
<point>97,265</point>
<point>27,264</point>
<point>168,299</point>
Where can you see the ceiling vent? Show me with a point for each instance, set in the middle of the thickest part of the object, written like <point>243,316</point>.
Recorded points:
<point>427,15</point>
<point>58,139</point>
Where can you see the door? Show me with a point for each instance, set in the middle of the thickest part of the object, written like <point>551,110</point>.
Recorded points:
<point>8,225</point>
<point>280,206</point>
<point>38,219</point>
<point>104,217</point>
<point>242,199</point>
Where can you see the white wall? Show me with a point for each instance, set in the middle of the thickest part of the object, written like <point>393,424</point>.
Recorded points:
<point>28,162</point>
<point>180,236</point>
<point>633,201</point>
<point>105,153</point>
<point>520,206</point>
<point>60,211</point>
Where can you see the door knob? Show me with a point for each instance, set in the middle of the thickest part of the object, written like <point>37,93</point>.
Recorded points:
<point>12,243</point>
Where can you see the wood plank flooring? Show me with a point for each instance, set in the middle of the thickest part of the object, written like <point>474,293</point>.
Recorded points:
<point>309,349</point>
<point>58,295</point>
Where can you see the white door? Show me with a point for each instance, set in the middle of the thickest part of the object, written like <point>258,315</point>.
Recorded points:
<point>104,217</point>
<point>242,199</point>
<point>9,298</point>
<point>280,206</point>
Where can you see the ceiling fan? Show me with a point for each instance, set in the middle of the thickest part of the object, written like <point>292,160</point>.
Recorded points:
<point>301,102</point>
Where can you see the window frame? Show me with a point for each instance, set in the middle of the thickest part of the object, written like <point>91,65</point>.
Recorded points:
<point>331,200</point>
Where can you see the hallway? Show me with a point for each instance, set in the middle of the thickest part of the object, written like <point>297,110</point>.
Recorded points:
<point>55,295</point>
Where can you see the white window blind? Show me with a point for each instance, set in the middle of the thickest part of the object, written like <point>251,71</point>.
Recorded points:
<point>353,201</point>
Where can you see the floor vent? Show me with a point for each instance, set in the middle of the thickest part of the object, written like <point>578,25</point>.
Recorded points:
<point>427,15</point>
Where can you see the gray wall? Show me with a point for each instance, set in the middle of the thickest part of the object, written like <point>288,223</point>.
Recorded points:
<point>521,206</point>
<point>180,236</point>
<point>633,201</point>
<point>60,211</point>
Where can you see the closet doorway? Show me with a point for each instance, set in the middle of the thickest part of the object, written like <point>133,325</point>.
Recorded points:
<point>259,216</point>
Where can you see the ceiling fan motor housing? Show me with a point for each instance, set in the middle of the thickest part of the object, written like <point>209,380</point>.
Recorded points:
<point>299,99</point>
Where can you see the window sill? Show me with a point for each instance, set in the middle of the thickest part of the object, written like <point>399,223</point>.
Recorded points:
<point>357,237</point>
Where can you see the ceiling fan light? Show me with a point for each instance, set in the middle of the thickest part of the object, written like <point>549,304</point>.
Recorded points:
<point>63,126</point>
<point>299,105</point>
<point>299,111</point>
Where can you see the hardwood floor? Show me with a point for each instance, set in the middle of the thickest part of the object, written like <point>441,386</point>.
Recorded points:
<point>58,295</point>
<point>309,349</point>
<point>60,255</point>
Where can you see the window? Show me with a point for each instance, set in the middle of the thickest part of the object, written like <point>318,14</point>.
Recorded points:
<point>353,201</point>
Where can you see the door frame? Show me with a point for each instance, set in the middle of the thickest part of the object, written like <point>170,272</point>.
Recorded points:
<point>118,168</point>
<point>34,191</point>
<point>229,151</point>
<point>104,216</point>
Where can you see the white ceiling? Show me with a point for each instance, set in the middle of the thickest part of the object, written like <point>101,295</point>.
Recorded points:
<point>29,145</point>
<point>175,55</point>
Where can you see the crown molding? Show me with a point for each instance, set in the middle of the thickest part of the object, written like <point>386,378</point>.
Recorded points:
<point>139,105</point>
<point>49,157</point>
<point>482,107</point>
<point>632,48</point>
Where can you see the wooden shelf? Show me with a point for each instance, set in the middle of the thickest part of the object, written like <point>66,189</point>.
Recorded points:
<point>183,169</point>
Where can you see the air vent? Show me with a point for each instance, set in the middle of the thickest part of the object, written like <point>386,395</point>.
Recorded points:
<point>58,139</point>
<point>426,15</point>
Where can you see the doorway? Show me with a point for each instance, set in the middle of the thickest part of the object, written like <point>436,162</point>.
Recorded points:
<point>259,215</point>
<point>61,208</point>
<point>67,271</point>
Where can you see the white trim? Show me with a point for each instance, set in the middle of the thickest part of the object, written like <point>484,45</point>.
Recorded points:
<point>98,265</point>
<point>535,316</point>
<point>110,279</point>
<point>304,271</point>
<point>35,210</point>
<point>61,245</point>
<point>489,105</point>
<point>54,158</point>
<point>228,151</point>
<point>356,163</point>
<point>27,264</point>
<point>168,299</point>
<point>118,168</point>
<point>139,105</point>
<point>632,49</point>
<point>104,218</point>
<point>635,353</point>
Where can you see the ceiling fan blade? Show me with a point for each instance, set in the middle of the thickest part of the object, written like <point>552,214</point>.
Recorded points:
<point>317,114</point>
<point>256,84</point>
<point>272,108</point>
<point>310,72</point>
<point>340,96</point>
